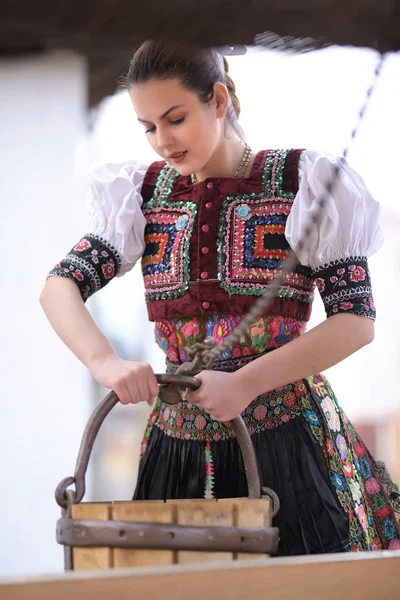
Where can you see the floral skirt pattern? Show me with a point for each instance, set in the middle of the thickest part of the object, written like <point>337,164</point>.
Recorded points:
<point>334,495</point>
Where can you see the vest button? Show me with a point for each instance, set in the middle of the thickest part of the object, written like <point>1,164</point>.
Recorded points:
<point>209,205</point>
<point>205,250</point>
<point>205,228</point>
<point>204,275</point>
<point>206,305</point>
<point>210,185</point>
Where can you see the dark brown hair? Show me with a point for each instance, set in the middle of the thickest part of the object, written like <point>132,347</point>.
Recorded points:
<point>198,69</point>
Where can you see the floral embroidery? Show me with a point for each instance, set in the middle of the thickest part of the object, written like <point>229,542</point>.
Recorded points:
<point>189,422</point>
<point>356,273</point>
<point>355,490</point>
<point>331,413</point>
<point>372,518</point>
<point>328,448</point>
<point>82,245</point>
<point>345,286</point>
<point>92,263</point>
<point>78,275</point>
<point>341,446</point>
<point>108,269</point>
<point>338,481</point>
<point>174,336</point>
<point>353,474</point>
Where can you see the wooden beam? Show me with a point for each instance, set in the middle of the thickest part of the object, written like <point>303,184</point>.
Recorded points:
<point>359,576</point>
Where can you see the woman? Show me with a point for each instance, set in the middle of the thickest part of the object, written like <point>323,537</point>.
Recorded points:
<point>212,221</point>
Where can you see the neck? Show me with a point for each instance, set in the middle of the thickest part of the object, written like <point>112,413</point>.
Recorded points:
<point>225,159</point>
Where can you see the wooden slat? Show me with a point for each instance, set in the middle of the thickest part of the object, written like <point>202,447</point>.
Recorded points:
<point>362,576</point>
<point>91,558</point>
<point>151,511</point>
<point>251,513</point>
<point>203,513</point>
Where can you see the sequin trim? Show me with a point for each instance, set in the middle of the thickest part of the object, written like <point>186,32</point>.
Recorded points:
<point>251,240</point>
<point>272,177</point>
<point>163,187</point>
<point>166,260</point>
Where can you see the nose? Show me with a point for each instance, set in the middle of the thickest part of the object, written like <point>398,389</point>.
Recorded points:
<point>164,138</point>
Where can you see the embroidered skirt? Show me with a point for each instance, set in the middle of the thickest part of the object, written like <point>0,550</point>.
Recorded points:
<point>334,496</point>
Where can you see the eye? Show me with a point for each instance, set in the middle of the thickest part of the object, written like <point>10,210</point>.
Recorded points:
<point>150,130</point>
<point>178,121</point>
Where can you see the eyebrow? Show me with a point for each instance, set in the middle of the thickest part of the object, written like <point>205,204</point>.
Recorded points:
<point>163,115</point>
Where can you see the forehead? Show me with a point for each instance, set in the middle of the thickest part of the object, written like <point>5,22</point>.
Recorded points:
<point>151,99</point>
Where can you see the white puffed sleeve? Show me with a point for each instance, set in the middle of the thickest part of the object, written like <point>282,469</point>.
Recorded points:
<point>115,236</point>
<point>115,209</point>
<point>350,225</point>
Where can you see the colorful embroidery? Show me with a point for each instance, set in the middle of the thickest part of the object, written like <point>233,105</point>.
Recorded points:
<point>345,286</point>
<point>187,421</point>
<point>353,472</point>
<point>251,240</point>
<point>272,177</point>
<point>92,263</point>
<point>163,186</point>
<point>166,262</point>
<point>363,488</point>
<point>175,335</point>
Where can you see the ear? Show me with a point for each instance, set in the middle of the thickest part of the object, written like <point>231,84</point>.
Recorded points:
<point>221,99</point>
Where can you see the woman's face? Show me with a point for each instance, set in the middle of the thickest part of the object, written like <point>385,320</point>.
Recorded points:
<point>181,128</point>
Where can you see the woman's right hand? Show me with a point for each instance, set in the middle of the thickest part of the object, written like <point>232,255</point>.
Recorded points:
<point>133,382</point>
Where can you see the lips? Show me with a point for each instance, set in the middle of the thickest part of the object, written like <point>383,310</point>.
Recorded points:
<point>177,156</point>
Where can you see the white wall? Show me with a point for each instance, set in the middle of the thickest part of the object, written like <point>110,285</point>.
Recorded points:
<point>43,160</point>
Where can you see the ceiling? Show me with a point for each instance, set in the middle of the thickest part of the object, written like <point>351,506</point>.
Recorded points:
<point>107,31</point>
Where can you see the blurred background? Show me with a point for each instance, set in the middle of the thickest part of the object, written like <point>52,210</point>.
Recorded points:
<point>49,139</point>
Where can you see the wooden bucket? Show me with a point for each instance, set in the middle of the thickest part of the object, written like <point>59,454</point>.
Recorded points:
<point>101,535</point>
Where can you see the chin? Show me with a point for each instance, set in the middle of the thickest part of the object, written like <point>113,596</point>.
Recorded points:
<point>183,170</point>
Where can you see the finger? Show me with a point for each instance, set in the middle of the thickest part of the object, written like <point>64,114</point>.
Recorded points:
<point>142,390</point>
<point>123,394</point>
<point>153,385</point>
<point>133,390</point>
<point>147,384</point>
<point>152,392</point>
<point>195,396</point>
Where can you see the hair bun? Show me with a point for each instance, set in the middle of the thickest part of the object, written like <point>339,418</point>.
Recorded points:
<point>231,88</point>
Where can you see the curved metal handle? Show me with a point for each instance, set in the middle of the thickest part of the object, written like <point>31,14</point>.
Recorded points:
<point>100,413</point>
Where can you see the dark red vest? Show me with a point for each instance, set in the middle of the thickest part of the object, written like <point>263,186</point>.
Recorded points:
<point>212,247</point>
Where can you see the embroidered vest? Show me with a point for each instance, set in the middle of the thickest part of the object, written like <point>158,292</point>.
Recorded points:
<point>213,246</point>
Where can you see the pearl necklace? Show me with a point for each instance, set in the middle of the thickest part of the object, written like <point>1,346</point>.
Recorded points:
<point>242,168</point>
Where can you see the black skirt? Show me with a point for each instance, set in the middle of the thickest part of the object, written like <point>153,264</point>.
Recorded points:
<point>333,496</point>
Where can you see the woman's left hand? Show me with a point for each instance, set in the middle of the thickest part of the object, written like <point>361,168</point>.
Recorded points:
<point>222,395</point>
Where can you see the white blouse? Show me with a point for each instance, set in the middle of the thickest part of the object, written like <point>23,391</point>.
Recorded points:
<point>350,225</point>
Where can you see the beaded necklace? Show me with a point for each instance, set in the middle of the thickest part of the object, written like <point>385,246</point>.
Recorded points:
<point>241,170</point>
